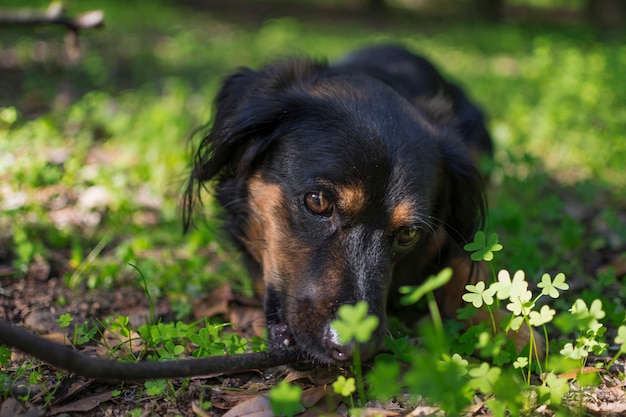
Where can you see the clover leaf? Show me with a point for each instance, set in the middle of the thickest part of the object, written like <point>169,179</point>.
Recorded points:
<point>484,378</point>
<point>521,303</point>
<point>551,287</point>
<point>620,339</point>
<point>354,323</point>
<point>65,320</point>
<point>505,286</point>
<point>285,399</point>
<point>482,248</point>
<point>344,386</point>
<point>478,294</point>
<point>521,362</point>
<point>541,317</point>
<point>574,352</point>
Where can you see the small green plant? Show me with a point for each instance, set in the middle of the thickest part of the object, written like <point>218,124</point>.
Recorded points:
<point>285,399</point>
<point>412,295</point>
<point>84,333</point>
<point>344,386</point>
<point>155,387</point>
<point>355,324</point>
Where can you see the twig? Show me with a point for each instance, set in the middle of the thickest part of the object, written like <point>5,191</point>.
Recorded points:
<point>63,357</point>
<point>54,15</point>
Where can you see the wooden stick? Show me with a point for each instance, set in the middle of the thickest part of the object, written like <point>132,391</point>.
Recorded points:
<point>66,358</point>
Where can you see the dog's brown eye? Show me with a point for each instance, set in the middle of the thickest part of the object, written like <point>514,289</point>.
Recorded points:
<point>319,204</point>
<point>406,236</point>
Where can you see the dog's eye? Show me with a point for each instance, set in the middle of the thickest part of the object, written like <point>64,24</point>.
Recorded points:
<point>406,236</point>
<point>318,203</point>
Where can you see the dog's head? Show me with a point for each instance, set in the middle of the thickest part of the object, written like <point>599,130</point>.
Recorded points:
<point>328,179</point>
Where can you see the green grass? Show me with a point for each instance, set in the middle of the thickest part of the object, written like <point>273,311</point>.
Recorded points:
<point>555,96</point>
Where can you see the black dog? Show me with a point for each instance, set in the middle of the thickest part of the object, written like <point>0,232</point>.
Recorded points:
<point>342,182</point>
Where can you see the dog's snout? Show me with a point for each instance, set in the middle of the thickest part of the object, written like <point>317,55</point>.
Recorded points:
<point>340,352</point>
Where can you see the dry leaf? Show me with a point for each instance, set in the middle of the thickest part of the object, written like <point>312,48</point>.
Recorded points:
<point>373,412</point>
<point>83,405</point>
<point>258,406</point>
<point>618,264</point>
<point>214,303</point>
<point>247,320</point>
<point>60,338</point>
<point>586,370</point>
<point>424,412</point>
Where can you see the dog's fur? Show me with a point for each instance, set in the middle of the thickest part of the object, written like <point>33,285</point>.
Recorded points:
<point>342,182</point>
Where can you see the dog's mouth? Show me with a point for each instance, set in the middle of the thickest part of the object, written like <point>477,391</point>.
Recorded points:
<point>325,350</point>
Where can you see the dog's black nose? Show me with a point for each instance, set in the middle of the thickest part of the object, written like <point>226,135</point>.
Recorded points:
<point>339,352</point>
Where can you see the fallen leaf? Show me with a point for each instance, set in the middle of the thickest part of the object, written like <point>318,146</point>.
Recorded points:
<point>214,303</point>
<point>424,412</point>
<point>258,406</point>
<point>315,376</point>
<point>76,386</point>
<point>618,265</point>
<point>226,399</point>
<point>60,338</point>
<point>247,320</point>
<point>83,405</point>
<point>615,408</point>
<point>313,395</point>
<point>198,411</point>
<point>372,412</point>
<point>586,370</point>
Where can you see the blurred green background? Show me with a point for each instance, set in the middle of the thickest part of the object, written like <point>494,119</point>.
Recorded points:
<point>94,151</point>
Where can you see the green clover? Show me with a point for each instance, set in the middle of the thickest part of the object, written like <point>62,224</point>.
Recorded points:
<point>552,393</point>
<point>484,378</point>
<point>516,323</point>
<point>455,361</point>
<point>521,303</point>
<point>285,399</point>
<point>521,362</point>
<point>550,287</point>
<point>505,286</point>
<point>415,293</point>
<point>620,339</point>
<point>478,294</point>
<point>574,352</point>
<point>344,386</point>
<point>595,312</point>
<point>155,387</point>
<point>5,355</point>
<point>482,248</point>
<point>354,323</point>
<point>543,316</point>
<point>65,320</point>
<point>384,379</point>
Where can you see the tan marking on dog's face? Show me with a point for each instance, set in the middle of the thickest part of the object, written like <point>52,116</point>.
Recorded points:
<point>402,214</point>
<point>351,199</point>
<point>263,229</point>
<point>269,239</point>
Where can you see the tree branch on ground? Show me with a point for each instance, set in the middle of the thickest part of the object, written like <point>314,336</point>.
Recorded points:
<point>55,15</point>
<point>66,358</point>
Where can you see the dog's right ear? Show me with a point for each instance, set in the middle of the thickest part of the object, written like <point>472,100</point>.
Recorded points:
<point>250,109</point>
<point>213,151</point>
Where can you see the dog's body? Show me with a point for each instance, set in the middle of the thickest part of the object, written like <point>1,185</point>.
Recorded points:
<point>341,183</point>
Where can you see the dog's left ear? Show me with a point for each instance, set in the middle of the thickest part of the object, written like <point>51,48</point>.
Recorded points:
<point>463,204</point>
